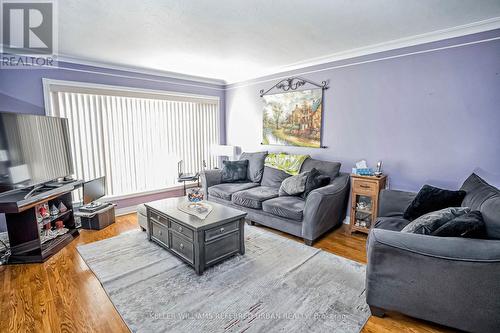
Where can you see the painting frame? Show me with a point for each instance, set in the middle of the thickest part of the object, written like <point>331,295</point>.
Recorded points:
<point>293,118</point>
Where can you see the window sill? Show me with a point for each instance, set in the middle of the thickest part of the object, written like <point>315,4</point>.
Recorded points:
<point>146,193</point>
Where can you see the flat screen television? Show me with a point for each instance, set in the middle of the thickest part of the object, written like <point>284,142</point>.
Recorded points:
<point>93,190</point>
<point>33,150</point>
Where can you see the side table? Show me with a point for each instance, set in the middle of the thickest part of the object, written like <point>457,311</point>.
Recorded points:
<point>364,201</point>
<point>183,178</point>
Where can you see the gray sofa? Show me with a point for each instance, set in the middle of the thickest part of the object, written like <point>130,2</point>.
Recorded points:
<point>446,280</point>
<point>323,209</point>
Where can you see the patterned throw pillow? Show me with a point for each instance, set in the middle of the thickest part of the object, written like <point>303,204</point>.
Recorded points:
<point>294,185</point>
<point>470,225</point>
<point>428,223</point>
<point>234,171</point>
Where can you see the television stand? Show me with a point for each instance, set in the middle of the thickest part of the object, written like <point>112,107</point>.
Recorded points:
<point>33,241</point>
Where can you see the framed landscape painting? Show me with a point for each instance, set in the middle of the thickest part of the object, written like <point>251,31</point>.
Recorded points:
<point>293,118</point>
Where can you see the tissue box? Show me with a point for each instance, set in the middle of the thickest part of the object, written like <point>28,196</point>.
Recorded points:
<point>363,171</point>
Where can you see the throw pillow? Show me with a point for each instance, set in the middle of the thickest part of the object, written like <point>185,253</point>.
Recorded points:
<point>294,185</point>
<point>430,199</point>
<point>428,223</point>
<point>234,171</point>
<point>314,180</point>
<point>255,165</point>
<point>470,225</point>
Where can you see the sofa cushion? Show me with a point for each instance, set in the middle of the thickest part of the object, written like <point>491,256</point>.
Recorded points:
<point>327,168</point>
<point>477,192</point>
<point>430,222</point>
<point>255,165</point>
<point>393,223</point>
<point>294,185</point>
<point>273,177</point>
<point>485,198</point>
<point>470,225</point>
<point>226,190</point>
<point>490,209</point>
<point>430,199</point>
<point>253,198</point>
<point>287,207</point>
<point>234,171</point>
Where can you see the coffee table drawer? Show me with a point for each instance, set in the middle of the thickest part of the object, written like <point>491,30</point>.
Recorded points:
<point>222,247</point>
<point>158,218</point>
<point>220,231</point>
<point>159,233</point>
<point>182,247</point>
<point>181,229</point>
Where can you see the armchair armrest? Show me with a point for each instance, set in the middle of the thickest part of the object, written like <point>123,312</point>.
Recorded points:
<point>210,178</point>
<point>394,203</point>
<point>451,248</point>
<point>447,280</point>
<point>325,207</point>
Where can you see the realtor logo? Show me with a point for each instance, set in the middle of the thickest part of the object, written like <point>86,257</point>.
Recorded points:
<point>28,33</point>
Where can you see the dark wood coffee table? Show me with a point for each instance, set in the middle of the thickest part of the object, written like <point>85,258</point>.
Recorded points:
<point>199,243</point>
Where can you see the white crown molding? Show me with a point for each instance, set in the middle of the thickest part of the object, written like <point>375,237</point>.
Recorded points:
<point>136,69</point>
<point>306,71</point>
<point>434,36</point>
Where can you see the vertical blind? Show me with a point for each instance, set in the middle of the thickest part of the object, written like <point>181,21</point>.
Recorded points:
<point>136,142</point>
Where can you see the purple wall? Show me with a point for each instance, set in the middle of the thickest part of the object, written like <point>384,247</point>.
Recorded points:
<point>431,116</point>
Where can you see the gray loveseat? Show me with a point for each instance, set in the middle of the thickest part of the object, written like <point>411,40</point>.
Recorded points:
<point>446,280</point>
<point>323,209</point>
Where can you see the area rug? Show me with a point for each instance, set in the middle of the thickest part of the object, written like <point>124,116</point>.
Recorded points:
<point>279,285</point>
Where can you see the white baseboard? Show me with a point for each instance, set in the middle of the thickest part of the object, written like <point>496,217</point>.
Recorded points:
<point>125,210</point>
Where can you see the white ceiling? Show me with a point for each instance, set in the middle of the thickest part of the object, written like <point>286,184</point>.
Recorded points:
<point>237,40</point>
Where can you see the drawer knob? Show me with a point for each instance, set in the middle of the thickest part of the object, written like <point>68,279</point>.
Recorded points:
<point>161,233</point>
<point>182,246</point>
<point>180,229</point>
<point>221,229</point>
<point>364,186</point>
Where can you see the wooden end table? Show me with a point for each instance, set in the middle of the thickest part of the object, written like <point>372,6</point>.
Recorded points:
<point>364,201</point>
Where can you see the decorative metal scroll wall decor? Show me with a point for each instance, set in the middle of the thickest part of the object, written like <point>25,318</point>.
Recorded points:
<point>293,83</point>
<point>293,117</point>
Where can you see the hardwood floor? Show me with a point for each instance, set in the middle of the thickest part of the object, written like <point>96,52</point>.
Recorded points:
<point>63,295</point>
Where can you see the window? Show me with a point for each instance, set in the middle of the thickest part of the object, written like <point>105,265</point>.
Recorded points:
<point>135,138</point>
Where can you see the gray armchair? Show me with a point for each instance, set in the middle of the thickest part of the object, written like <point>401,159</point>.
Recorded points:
<point>448,280</point>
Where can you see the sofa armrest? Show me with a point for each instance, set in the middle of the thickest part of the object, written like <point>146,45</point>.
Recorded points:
<point>394,203</point>
<point>447,280</point>
<point>210,178</point>
<point>325,207</point>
